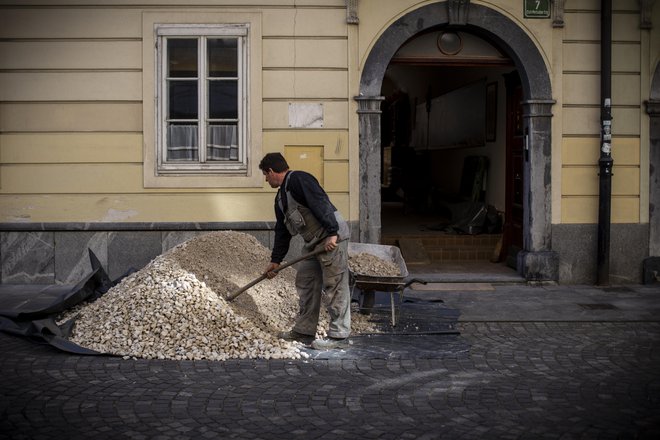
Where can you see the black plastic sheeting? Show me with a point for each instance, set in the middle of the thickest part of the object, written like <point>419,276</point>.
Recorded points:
<point>413,316</point>
<point>471,218</point>
<point>30,311</point>
<point>423,330</point>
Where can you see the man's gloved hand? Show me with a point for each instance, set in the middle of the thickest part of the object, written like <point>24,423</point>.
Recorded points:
<point>269,270</point>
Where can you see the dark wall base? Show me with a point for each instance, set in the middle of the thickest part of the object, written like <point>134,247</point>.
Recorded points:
<point>58,253</point>
<point>576,246</point>
<point>539,266</point>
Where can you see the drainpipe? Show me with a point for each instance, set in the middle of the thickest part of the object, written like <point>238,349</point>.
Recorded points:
<point>605,162</point>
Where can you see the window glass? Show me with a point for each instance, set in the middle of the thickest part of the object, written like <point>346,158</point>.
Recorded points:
<point>223,57</point>
<point>183,97</point>
<point>182,57</point>
<point>223,99</point>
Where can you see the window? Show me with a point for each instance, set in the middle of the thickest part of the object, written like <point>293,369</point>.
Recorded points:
<point>202,120</point>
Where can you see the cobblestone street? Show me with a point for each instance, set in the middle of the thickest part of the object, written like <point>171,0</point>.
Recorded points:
<point>512,380</point>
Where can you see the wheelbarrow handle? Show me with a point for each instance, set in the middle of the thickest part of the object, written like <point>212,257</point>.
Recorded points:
<point>233,295</point>
<point>414,280</point>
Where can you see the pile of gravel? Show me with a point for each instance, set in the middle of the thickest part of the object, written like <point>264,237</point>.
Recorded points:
<point>175,307</point>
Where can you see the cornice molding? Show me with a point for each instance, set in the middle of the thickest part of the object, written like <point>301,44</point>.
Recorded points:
<point>653,107</point>
<point>369,104</point>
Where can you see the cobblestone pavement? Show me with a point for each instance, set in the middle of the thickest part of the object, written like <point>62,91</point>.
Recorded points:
<point>514,380</point>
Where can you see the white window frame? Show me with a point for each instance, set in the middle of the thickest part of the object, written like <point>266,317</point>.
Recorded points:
<point>202,32</point>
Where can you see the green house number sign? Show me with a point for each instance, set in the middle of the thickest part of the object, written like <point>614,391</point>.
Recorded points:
<point>537,8</point>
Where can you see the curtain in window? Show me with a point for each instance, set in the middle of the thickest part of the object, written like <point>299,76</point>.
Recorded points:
<point>222,142</point>
<point>182,142</point>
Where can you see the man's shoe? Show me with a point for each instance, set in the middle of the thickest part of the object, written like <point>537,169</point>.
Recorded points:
<point>330,343</point>
<point>292,335</point>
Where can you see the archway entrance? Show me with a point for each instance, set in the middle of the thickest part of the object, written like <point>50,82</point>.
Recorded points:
<point>451,138</point>
<point>536,261</point>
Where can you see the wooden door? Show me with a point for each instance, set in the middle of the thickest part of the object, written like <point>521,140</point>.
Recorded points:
<point>512,240</point>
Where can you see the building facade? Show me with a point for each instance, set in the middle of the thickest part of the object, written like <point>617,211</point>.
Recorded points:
<point>104,106</point>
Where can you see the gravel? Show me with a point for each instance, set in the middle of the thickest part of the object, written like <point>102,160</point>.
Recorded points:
<point>370,265</point>
<point>175,307</point>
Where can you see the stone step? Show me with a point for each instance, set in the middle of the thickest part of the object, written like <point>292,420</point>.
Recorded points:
<point>460,253</point>
<point>454,240</point>
<point>429,248</point>
<point>413,251</point>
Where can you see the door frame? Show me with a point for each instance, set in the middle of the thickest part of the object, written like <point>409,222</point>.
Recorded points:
<point>537,261</point>
<point>653,110</point>
<point>512,228</point>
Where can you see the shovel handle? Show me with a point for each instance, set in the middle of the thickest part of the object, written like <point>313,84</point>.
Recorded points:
<point>231,296</point>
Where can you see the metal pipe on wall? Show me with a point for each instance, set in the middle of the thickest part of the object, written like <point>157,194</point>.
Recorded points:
<point>605,161</point>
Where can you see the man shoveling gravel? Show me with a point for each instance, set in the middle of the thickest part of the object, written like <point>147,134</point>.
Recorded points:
<point>303,208</point>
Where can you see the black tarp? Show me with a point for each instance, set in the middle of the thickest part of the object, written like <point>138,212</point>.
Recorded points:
<point>470,218</point>
<point>424,330</point>
<point>30,310</point>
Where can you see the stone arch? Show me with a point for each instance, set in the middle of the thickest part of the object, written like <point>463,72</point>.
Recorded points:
<point>537,261</point>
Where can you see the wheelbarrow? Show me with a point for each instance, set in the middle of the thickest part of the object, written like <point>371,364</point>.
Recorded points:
<point>369,284</point>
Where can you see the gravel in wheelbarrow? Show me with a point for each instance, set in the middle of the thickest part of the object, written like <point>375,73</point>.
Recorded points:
<point>388,254</point>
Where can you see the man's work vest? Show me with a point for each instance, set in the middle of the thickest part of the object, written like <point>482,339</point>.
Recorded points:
<point>300,220</point>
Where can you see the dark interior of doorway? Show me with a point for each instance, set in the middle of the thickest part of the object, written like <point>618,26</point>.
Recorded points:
<point>444,205</point>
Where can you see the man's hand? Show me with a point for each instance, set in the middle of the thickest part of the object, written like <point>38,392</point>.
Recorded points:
<point>330,243</point>
<point>269,270</point>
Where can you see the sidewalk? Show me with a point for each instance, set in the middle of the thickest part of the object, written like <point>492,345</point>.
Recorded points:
<point>555,362</point>
<point>490,302</point>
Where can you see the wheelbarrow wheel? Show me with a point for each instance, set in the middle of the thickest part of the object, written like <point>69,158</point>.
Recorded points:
<point>368,300</point>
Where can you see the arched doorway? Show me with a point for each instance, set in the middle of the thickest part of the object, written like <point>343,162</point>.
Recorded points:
<point>536,261</point>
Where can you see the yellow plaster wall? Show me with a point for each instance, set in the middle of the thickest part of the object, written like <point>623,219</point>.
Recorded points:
<point>195,207</point>
<point>336,176</point>
<point>289,84</point>
<point>305,52</point>
<point>580,113</point>
<point>306,158</point>
<point>25,148</point>
<point>625,181</point>
<point>335,142</point>
<point>58,54</point>
<point>71,105</point>
<point>585,151</point>
<point>584,209</point>
<point>71,116</point>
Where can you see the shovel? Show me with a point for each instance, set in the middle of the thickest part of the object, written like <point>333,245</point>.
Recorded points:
<point>233,295</point>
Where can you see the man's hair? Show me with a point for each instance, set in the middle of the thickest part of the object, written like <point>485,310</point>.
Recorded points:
<point>275,162</point>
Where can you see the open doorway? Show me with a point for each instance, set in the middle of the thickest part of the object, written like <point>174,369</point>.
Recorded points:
<point>448,153</point>
<point>537,261</point>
